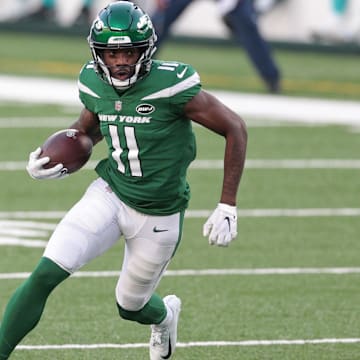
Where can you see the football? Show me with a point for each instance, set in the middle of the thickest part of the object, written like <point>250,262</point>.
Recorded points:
<point>69,147</point>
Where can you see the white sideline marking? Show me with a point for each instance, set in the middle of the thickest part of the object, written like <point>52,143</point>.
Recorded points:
<point>249,164</point>
<point>286,108</point>
<point>209,272</point>
<point>194,344</point>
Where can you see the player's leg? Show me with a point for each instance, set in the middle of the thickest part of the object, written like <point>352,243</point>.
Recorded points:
<point>150,244</point>
<point>243,25</point>
<point>163,19</point>
<point>26,305</point>
<point>88,230</point>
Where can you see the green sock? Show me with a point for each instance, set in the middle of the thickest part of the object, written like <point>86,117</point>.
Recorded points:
<point>154,312</point>
<point>26,305</point>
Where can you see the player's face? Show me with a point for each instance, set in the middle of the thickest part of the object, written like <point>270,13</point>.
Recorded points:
<point>120,62</point>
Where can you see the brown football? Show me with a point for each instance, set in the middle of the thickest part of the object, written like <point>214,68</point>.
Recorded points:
<point>69,147</point>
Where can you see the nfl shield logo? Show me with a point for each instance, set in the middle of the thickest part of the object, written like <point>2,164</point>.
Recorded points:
<point>118,105</point>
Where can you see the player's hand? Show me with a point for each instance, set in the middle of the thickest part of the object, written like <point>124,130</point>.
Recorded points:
<point>221,227</point>
<point>36,170</point>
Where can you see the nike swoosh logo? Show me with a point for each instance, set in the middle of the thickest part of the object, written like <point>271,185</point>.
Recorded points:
<point>181,75</point>
<point>155,229</point>
<point>228,221</point>
<point>169,352</point>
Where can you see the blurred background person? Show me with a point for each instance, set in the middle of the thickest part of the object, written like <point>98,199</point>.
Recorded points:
<point>68,12</point>
<point>64,13</point>
<point>13,10</point>
<point>264,6</point>
<point>240,17</point>
<point>343,25</point>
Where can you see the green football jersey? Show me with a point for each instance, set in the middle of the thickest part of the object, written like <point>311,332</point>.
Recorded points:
<point>150,140</point>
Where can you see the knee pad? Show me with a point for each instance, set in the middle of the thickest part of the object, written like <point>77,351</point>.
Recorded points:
<point>130,301</point>
<point>137,283</point>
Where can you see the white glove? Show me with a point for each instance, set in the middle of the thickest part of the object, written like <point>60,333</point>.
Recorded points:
<point>221,227</point>
<point>36,170</point>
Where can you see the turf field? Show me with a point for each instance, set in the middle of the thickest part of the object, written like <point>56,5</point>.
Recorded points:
<point>221,67</point>
<point>287,288</point>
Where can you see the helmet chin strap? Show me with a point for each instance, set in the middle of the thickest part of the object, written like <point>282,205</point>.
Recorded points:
<point>121,84</point>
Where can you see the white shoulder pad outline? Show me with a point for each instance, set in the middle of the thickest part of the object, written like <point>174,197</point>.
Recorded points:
<point>187,83</point>
<point>83,88</point>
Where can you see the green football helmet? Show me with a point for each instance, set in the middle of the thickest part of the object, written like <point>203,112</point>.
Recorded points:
<point>122,24</point>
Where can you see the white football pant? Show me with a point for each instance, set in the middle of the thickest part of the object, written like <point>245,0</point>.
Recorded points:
<point>96,223</point>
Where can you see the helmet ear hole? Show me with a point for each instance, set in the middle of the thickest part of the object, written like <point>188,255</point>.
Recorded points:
<point>122,24</point>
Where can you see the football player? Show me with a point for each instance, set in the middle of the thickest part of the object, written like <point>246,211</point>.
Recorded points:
<point>240,18</point>
<point>143,109</point>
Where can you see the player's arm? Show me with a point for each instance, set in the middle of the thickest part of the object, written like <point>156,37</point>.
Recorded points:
<point>208,111</point>
<point>89,124</point>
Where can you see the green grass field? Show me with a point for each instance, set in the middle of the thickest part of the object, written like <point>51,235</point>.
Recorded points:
<point>286,289</point>
<point>221,67</point>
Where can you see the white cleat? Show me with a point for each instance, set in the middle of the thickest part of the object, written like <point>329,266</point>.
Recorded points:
<point>163,338</point>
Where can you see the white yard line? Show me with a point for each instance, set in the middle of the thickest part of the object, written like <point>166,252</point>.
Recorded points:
<point>9,224</point>
<point>210,272</point>
<point>31,214</point>
<point>310,212</point>
<point>14,241</point>
<point>42,122</point>
<point>300,212</point>
<point>280,342</point>
<point>218,164</point>
<point>64,121</point>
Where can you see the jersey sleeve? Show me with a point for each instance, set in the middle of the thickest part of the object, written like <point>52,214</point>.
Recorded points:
<point>186,85</point>
<point>87,87</point>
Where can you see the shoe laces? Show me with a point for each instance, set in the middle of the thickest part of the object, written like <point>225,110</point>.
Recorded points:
<point>159,335</point>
